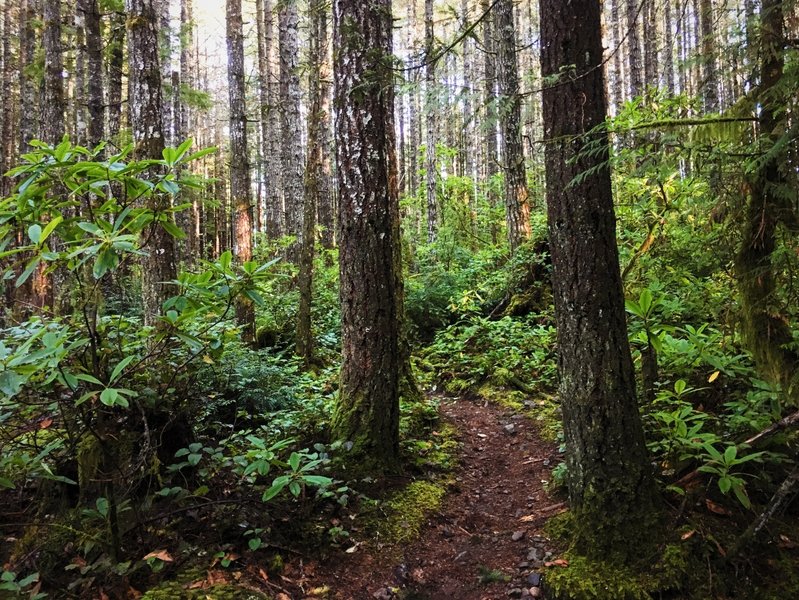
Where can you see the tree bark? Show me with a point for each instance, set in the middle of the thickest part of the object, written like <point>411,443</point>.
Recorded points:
<point>27,82</point>
<point>52,110</point>
<point>114,77</point>
<point>517,208</point>
<point>765,328</point>
<point>94,67</point>
<point>145,103</point>
<point>635,72</point>
<point>367,413</point>
<point>710,82</point>
<point>611,488</point>
<point>431,109</point>
<point>292,158</point>
<point>274,212</point>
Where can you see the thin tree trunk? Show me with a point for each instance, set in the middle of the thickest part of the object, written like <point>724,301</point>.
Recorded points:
<point>668,48</point>
<point>27,81</point>
<point>275,215</point>
<point>94,67</point>
<point>710,82</point>
<point>52,113</point>
<point>115,66</point>
<point>517,208</point>
<point>431,108</point>
<point>635,70</point>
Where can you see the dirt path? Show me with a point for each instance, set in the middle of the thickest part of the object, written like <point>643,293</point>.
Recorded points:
<point>485,542</point>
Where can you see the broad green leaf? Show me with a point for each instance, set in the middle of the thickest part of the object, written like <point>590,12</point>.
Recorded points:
<point>35,233</point>
<point>120,367</point>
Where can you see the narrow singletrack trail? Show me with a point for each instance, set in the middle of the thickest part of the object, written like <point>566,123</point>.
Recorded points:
<point>485,541</point>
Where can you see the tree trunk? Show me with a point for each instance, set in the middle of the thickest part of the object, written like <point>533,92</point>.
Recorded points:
<point>274,211</point>
<point>431,109</point>
<point>367,413</point>
<point>668,48</point>
<point>490,102</point>
<point>618,60</point>
<point>635,70</point>
<point>651,43</point>
<point>115,66</point>
<point>240,194</point>
<point>765,328</point>
<point>326,200</point>
<point>292,159</point>
<point>710,82</point>
<point>611,488</point>
<point>94,67</point>
<point>27,81</point>
<point>146,109</point>
<point>517,208</point>
<point>52,113</point>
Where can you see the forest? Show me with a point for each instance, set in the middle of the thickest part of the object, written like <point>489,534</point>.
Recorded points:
<point>399,299</point>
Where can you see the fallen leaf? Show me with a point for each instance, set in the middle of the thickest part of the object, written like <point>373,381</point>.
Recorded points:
<point>208,360</point>
<point>45,423</point>
<point>160,555</point>
<point>103,595</point>
<point>786,542</point>
<point>688,535</point>
<point>716,508</point>
<point>714,376</point>
<point>352,549</point>
<point>558,562</point>
<point>263,574</point>
<point>134,594</point>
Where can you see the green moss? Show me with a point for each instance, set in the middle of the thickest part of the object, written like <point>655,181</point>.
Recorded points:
<point>405,512</point>
<point>173,590</point>
<point>545,410</point>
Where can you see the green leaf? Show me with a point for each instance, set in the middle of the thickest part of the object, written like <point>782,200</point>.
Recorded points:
<point>725,483</point>
<point>7,483</point>
<point>120,367</point>
<point>740,493</point>
<point>729,454</point>
<point>645,301</point>
<point>35,233</point>
<point>50,227</point>
<point>88,378</point>
<point>194,459</point>
<point>294,461</point>
<point>110,397</point>
<point>31,266</point>
<point>102,506</point>
<point>254,543</point>
<point>317,480</point>
<point>679,386</point>
<point>295,488</point>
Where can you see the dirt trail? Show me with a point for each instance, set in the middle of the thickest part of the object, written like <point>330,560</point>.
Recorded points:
<point>487,528</point>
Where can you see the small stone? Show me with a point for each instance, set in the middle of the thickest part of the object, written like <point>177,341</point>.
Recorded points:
<point>525,594</point>
<point>383,594</point>
<point>534,579</point>
<point>510,428</point>
<point>535,592</point>
<point>517,535</point>
<point>515,593</point>
<point>547,555</point>
<point>523,565</point>
<point>533,554</point>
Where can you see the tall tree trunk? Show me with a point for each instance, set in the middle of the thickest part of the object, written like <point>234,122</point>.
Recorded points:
<point>490,102</point>
<point>115,65</point>
<point>292,159</point>
<point>431,108</point>
<point>635,70</point>
<point>146,109</point>
<point>710,82</point>
<point>240,192</point>
<point>618,56</point>
<point>94,67</point>
<point>274,212</point>
<point>611,489</point>
<point>765,328</point>
<point>413,108</point>
<point>188,220</point>
<point>651,43</point>
<point>52,113</point>
<point>313,174</point>
<point>27,81</point>
<point>517,208</point>
<point>367,412</point>
<point>326,199</point>
<point>668,47</point>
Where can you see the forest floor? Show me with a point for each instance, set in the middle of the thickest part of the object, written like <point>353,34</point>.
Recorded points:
<point>484,542</point>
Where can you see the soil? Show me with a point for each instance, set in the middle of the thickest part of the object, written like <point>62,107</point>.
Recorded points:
<point>485,541</point>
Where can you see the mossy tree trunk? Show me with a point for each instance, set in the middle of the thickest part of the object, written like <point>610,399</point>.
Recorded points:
<point>611,488</point>
<point>367,413</point>
<point>765,328</point>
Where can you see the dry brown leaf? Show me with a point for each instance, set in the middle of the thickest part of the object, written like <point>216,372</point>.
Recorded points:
<point>714,376</point>
<point>103,595</point>
<point>45,423</point>
<point>263,574</point>
<point>716,508</point>
<point>134,594</point>
<point>160,555</point>
<point>688,535</point>
<point>558,562</point>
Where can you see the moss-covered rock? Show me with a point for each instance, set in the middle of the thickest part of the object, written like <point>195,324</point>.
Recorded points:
<point>174,590</point>
<point>406,512</point>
